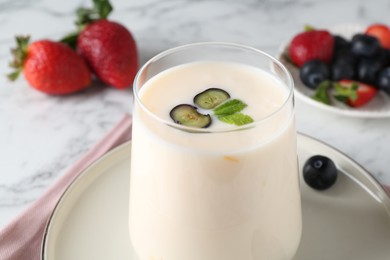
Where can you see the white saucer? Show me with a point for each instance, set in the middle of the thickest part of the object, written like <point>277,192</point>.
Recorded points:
<point>379,107</point>
<point>351,220</point>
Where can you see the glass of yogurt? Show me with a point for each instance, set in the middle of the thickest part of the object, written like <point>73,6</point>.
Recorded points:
<point>214,172</point>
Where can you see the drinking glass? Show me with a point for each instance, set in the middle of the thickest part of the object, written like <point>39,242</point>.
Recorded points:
<point>216,193</point>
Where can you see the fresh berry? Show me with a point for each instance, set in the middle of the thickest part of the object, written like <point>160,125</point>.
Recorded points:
<point>342,69</point>
<point>382,57</point>
<point>50,67</point>
<point>313,72</point>
<point>110,51</point>
<point>368,71</point>
<point>358,68</point>
<point>364,46</point>
<point>384,80</point>
<point>354,93</point>
<point>341,43</point>
<point>381,32</point>
<point>210,98</point>
<point>108,47</point>
<point>310,45</point>
<point>188,115</point>
<point>345,56</point>
<point>320,172</point>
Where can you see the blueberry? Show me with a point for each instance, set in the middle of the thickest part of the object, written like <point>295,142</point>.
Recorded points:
<point>342,69</point>
<point>313,72</point>
<point>211,98</point>
<point>344,55</point>
<point>382,57</point>
<point>384,80</point>
<point>320,172</point>
<point>340,42</point>
<point>368,71</point>
<point>363,45</point>
<point>188,115</point>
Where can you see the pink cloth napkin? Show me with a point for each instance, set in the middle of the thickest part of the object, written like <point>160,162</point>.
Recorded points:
<point>21,239</point>
<point>387,188</point>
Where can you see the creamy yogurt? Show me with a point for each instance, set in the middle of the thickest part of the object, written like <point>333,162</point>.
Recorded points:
<point>223,195</point>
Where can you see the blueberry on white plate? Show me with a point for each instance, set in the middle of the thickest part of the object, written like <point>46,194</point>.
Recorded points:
<point>320,172</point>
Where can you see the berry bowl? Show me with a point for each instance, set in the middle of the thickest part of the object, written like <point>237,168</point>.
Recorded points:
<point>378,107</point>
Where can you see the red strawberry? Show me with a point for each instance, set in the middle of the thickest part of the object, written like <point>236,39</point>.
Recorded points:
<point>354,93</point>
<point>312,44</point>
<point>50,67</point>
<point>381,32</point>
<point>110,51</point>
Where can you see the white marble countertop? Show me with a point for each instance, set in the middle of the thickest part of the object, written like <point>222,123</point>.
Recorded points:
<point>43,135</point>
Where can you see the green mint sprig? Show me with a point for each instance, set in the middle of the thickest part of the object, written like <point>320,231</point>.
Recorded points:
<point>229,107</point>
<point>237,119</point>
<point>229,112</point>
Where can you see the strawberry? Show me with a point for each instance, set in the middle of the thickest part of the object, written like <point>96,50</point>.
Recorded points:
<point>381,32</point>
<point>354,93</point>
<point>110,51</point>
<point>311,44</point>
<point>50,67</point>
<point>108,47</point>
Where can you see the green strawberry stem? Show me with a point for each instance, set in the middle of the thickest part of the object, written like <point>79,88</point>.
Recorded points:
<point>19,53</point>
<point>103,7</point>
<point>339,91</point>
<point>308,28</point>
<point>343,93</point>
<point>100,10</point>
<point>71,39</point>
<point>322,92</point>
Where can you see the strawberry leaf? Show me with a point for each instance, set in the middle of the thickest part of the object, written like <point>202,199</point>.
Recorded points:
<point>19,53</point>
<point>344,93</point>
<point>308,28</point>
<point>322,92</point>
<point>85,16</point>
<point>70,40</point>
<point>103,8</point>
<point>13,75</point>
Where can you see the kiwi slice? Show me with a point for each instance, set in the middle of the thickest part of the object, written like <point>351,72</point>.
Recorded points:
<point>211,98</point>
<point>188,115</point>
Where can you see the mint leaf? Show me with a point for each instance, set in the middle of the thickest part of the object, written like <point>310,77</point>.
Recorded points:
<point>229,107</point>
<point>228,112</point>
<point>236,119</point>
<point>321,93</point>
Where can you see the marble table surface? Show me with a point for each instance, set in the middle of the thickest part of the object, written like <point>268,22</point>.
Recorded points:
<point>41,136</point>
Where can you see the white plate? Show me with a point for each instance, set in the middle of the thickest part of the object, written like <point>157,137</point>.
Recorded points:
<point>349,221</point>
<point>379,107</point>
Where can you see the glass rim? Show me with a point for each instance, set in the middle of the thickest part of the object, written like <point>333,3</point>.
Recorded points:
<point>289,83</point>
